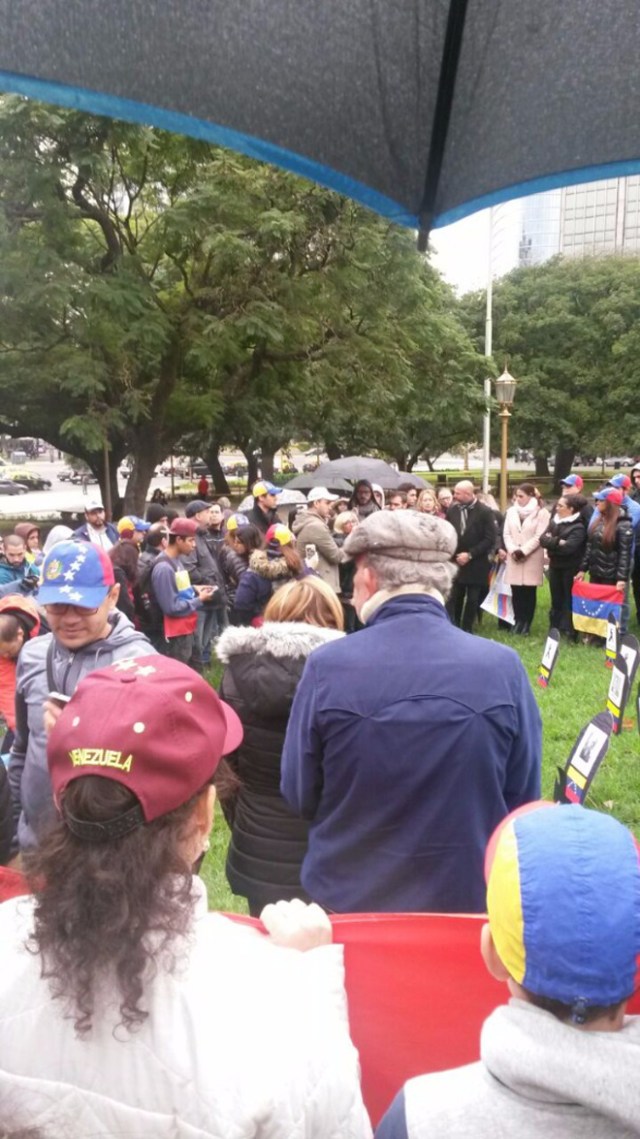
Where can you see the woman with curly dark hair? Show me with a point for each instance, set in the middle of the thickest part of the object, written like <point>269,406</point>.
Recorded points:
<point>119,993</point>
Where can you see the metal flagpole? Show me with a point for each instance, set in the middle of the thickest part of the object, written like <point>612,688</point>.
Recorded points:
<point>488,348</point>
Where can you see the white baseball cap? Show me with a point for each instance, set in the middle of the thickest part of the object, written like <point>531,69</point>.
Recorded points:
<point>321,492</point>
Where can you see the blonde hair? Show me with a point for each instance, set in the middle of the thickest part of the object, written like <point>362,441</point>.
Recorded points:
<point>428,492</point>
<point>310,601</point>
<point>342,519</point>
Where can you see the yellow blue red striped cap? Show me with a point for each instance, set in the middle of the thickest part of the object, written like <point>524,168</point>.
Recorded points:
<point>563,899</point>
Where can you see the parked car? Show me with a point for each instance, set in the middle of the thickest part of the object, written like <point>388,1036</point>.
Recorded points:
<point>65,475</point>
<point>618,461</point>
<point>179,470</point>
<point>200,468</point>
<point>236,470</point>
<point>28,479</point>
<point>8,486</point>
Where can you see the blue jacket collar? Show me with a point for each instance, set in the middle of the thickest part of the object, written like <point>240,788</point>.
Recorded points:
<point>408,603</point>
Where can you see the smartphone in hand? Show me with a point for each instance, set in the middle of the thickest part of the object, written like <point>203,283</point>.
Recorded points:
<point>58,698</point>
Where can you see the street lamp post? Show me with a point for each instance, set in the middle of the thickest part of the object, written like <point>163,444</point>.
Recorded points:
<point>505,394</point>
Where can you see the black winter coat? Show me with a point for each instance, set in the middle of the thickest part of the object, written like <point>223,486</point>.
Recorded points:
<point>262,670</point>
<point>565,542</point>
<point>479,540</point>
<point>606,567</point>
<point>204,570</point>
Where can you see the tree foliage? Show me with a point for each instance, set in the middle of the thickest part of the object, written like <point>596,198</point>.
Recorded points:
<point>571,334</point>
<point>154,289</point>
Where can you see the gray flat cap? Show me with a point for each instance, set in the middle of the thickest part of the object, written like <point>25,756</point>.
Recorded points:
<point>403,534</point>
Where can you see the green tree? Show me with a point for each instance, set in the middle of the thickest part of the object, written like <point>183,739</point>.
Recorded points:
<point>569,330</point>
<point>155,290</point>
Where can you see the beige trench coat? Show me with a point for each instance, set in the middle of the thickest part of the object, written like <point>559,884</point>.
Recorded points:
<point>524,534</point>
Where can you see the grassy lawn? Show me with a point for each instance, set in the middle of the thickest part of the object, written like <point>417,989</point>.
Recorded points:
<point>577,691</point>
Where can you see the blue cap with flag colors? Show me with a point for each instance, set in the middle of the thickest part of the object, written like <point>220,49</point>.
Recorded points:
<point>130,523</point>
<point>611,494</point>
<point>76,573</point>
<point>622,482</point>
<point>563,899</point>
<point>236,521</point>
<point>262,487</point>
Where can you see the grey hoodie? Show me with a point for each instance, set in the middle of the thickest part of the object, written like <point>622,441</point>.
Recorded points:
<point>28,774</point>
<point>538,1079</point>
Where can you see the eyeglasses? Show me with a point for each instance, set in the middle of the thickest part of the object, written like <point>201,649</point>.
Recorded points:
<point>58,609</point>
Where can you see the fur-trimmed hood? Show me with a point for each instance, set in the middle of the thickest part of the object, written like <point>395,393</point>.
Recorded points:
<point>263,666</point>
<point>270,568</point>
<point>293,639</point>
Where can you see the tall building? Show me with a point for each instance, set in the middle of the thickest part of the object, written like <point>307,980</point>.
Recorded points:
<point>541,215</point>
<point>582,221</point>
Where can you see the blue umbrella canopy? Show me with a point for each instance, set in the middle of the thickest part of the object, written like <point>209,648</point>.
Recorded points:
<point>424,110</point>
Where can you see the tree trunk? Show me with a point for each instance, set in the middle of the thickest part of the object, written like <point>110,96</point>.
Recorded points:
<point>267,464</point>
<point>143,467</point>
<point>116,501</point>
<point>252,467</point>
<point>401,459</point>
<point>333,450</point>
<point>211,457</point>
<point>564,457</point>
<point>542,466</point>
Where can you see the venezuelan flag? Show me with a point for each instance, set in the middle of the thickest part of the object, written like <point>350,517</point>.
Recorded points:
<point>593,605</point>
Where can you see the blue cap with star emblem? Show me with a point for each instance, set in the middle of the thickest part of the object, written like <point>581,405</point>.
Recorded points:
<point>76,573</point>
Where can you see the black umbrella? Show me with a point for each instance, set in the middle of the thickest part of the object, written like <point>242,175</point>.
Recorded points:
<point>356,467</point>
<point>413,480</point>
<point>423,110</point>
<point>310,479</point>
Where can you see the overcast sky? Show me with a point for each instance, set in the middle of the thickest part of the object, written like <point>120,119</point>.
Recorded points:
<point>461,251</point>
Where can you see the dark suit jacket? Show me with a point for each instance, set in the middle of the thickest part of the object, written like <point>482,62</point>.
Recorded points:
<point>479,540</point>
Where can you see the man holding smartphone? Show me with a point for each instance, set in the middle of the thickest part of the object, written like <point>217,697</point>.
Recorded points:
<point>79,596</point>
<point>178,600</point>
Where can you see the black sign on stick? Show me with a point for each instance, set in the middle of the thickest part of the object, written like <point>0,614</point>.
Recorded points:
<point>587,753</point>
<point>611,646</point>
<point>618,692</point>
<point>549,657</point>
<point>629,648</point>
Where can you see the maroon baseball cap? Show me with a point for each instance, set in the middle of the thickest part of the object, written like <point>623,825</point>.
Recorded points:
<point>150,723</point>
<point>184,527</point>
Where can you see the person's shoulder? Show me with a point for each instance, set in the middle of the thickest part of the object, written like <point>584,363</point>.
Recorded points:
<point>33,654</point>
<point>16,922</point>
<point>445,1103</point>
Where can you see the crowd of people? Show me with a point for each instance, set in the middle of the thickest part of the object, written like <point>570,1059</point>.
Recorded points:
<point>365,749</point>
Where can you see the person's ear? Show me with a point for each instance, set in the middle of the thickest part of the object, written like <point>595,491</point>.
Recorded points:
<point>204,808</point>
<point>490,955</point>
<point>114,594</point>
<point>369,580</point>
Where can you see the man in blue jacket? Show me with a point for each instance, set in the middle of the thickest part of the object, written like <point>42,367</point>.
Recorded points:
<point>409,742</point>
<point>95,528</point>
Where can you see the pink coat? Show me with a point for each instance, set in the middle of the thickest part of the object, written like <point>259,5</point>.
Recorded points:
<point>524,534</point>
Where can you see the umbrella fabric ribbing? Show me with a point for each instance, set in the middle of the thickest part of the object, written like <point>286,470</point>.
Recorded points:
<point>309,479</point>
<point>356,467</point>
<point>423,110</point>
